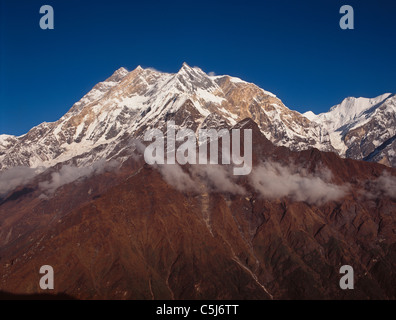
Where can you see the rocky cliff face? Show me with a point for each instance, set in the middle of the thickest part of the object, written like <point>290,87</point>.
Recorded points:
<point>363,129</point>
<point>128,103</point>
<point>76,194</point>
<point>132,234</point>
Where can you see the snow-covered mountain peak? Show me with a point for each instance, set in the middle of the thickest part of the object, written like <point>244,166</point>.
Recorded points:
<point>362,128</point>
<point>310,115</point>
<point>185,68</point>
<point>354,106</point>
<point>123,106</point>
<point>118,75</point>
<point>6,140</point>
<point>348,111</point>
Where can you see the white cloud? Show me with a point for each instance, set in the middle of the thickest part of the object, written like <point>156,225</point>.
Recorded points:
<point>274,181</point>
<point>15,177</point>
<point>387,184</point>
<point>270,180</point>
<point>68,174</point>
<point>384,185</point>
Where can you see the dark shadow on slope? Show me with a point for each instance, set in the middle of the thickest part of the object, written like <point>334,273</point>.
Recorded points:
<point>16,195</point>
<point>379,149</point>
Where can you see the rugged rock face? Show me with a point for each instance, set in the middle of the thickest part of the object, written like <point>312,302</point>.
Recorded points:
<point>363,129</point>
<point>129,234</point>
<point>127,103</point>
<point>124,230</point>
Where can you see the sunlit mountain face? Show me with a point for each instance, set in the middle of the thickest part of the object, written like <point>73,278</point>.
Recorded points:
<point>78,195</point>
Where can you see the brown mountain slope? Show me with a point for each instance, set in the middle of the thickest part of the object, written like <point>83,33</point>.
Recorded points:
<point>129,234</point>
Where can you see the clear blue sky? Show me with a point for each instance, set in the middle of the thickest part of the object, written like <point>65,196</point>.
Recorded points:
<point>294,49</point>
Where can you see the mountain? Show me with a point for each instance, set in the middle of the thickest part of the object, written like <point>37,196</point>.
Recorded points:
<point>362,129</point>
<point>77,194</point>
<point>132,233</point>
<point>102,123</point>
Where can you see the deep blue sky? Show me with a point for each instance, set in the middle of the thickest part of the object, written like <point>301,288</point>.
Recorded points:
<point>294,49</point>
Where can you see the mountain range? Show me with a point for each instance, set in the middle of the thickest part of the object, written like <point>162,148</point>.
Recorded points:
<point>129,102</point>
<point>76,194</point>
